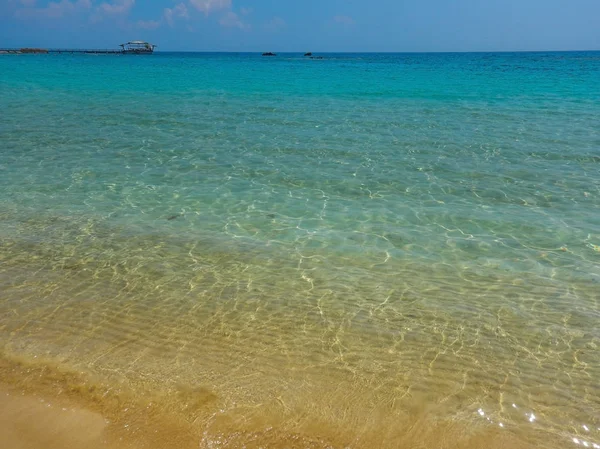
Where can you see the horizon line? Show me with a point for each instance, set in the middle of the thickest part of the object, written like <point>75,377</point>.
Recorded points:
<point>323,52</point>
<point>378,52</point>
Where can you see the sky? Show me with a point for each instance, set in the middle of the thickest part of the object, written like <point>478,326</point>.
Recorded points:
<point>308,25</point>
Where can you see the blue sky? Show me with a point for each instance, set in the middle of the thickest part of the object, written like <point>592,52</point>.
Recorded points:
<point>315,25</point>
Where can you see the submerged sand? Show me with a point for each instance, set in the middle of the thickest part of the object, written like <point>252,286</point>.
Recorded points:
<point>219,361</point>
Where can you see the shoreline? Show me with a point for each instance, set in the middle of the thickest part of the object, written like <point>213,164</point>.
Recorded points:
<point>48,406</point>
<point>31,421</point>
<point>53,408</point>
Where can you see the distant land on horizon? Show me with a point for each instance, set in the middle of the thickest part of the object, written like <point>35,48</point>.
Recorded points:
<point>289,52</point>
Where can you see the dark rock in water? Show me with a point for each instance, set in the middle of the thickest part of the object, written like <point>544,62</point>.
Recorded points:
<point>316,57</point>
<point>269,54</point>
<point>173,217</point>
<point>308,54</point>
<point>270,215</point>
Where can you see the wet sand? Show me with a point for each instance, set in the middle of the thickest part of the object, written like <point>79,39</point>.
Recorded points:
<point>43,406</point>
<point>31,421</point>
<point>67,411</point>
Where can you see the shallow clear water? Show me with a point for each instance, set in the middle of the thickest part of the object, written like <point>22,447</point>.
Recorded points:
<point>369,249</point>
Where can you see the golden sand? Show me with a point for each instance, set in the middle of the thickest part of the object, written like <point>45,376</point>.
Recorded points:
<point>234,357</point>
<point>44,407</point>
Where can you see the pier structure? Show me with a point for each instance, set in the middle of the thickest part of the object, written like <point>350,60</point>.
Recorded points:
<point>129,48</point>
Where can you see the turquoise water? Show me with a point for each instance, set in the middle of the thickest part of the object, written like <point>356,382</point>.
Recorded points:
<point>420,230</point>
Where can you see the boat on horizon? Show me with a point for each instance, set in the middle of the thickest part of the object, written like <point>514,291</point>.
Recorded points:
<point>137,47</point>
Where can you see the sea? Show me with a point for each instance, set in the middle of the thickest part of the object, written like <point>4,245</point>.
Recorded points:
<point>223,250</point>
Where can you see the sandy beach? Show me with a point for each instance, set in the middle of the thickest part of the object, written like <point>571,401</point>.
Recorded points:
<point>67,411</point>
<point>31,421</point>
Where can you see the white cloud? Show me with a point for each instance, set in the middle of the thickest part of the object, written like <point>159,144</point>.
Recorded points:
<point>179,11</point>
<point>53,10</point>
<point>148,24</point>
<point>346,20</point>
<point>117,7</point>
<point>275,24</point>
<point>243,11</point>
<point>207,6</point>
<point>232,20</point>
